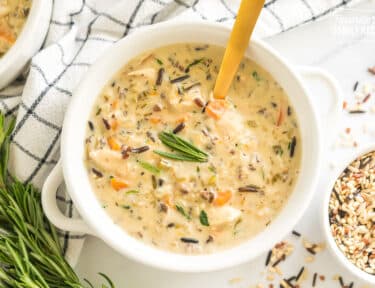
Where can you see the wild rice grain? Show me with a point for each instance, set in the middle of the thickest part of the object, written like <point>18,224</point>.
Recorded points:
<point>106,124</point>
<point>97,173</point>
<point>341,281</point>
<point>294,232</point>
<point>179,128</point>
<point>293,144</point>
<point>91,126</point>
<point>300,273</point>
<point>314,279</point>
<point>355,86</point>
<point>189,240</point>
<point>268,257</point>
<point>159,79</point>
<point>180,79</point>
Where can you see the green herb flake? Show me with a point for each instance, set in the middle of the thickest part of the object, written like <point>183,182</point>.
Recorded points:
<point>262,173</point>
<point>278,150</point>
<point>127,207</point>
<point>98,111</point>
<point>132,192</point>
<point>182,211</point>
<point>256,76</point>
<point>195,62</point>
<point>252,124</point>
<point>159,61</point>
<point>149,167</point>
<point>203,218</point>
<point>212,168</point>
<point>235,230</point>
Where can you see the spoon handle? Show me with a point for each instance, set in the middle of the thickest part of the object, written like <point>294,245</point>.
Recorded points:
<point>239,39</point>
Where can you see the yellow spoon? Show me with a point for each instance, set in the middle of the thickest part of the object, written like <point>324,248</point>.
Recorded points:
<point>239,40</point>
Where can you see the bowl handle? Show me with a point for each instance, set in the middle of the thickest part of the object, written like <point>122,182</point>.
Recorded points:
<point>331,118</point>
<point>52,211</point>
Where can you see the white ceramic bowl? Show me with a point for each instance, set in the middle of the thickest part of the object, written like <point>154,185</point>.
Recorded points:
<point>334,249</point>
<point>96,220</point>
<point>27,43</point>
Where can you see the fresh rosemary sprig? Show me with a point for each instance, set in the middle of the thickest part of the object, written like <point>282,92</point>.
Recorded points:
<point>186,151</point>
<point>5,131</point>
<point>30,251</point>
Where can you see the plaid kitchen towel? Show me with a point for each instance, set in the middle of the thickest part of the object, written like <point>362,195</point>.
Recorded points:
<point>80,31</point>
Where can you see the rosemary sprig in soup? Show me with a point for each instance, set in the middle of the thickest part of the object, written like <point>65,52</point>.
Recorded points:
<point>186,151</point>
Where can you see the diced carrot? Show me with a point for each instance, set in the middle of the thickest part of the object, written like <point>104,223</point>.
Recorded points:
<point>114,124</point>
<point>222,198</point>
<point>344,105</point>
<point>113,144</point>
<point>6,35</point>
<point>153,92</point>
<point>182,119</point>
<point>167,200</point>
<point>114,104</point>
<point>280,119</point>
<point>216,108</point>
<point>118,184</point>
<point>155,120</point>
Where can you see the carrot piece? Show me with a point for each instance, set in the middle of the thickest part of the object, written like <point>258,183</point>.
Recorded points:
<point>114,124</point>
<point>222,198</point>
<point>167,200</point>
<point>280,119</point>
<point>155,120</point>
<point>344,105</point>
<point>113,144</point>
<point>6,35</point>
<point>118,184</point>
<point>216,108</point>
<point>114,104</point>
<point>153,92</point>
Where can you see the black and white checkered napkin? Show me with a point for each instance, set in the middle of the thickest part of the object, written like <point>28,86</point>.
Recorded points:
<point>80,31</point>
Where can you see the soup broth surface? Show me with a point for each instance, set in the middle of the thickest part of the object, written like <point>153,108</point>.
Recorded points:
<point>13,14</point>
<point>242,160</point>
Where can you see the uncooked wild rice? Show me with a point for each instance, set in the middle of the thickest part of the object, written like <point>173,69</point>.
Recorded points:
<point>352,212</point>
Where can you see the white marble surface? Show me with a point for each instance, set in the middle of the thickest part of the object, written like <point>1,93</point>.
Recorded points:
<point>347,58</point>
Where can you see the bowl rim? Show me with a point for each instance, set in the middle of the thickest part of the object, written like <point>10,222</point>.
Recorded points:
<point>335,250</point>
<point>198,260</point>
<point>28,41</point>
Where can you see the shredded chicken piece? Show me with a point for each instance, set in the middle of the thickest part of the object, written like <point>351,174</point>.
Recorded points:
<point>145,72</point>
<point>223,215</point>
<point>110,161</point>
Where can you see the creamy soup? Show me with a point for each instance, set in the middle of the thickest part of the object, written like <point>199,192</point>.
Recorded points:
<point>13,14</point>
<point>183,171</point>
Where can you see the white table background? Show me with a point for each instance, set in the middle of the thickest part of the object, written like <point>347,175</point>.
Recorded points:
<point>347,58</point>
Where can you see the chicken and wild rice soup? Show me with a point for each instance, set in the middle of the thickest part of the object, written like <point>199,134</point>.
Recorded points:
<point>183,171</point>
<point>13,14</point>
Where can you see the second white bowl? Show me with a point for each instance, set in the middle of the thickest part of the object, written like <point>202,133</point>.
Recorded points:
<point>28,42</point>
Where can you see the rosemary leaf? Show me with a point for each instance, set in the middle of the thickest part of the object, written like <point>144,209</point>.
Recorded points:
<point>183,212</point>
<point>195,62</point>
<point>132,192</point>
<point>174,138</point>
<point>186,151</point>
<point>178,156</point>
<point>149,167</point>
